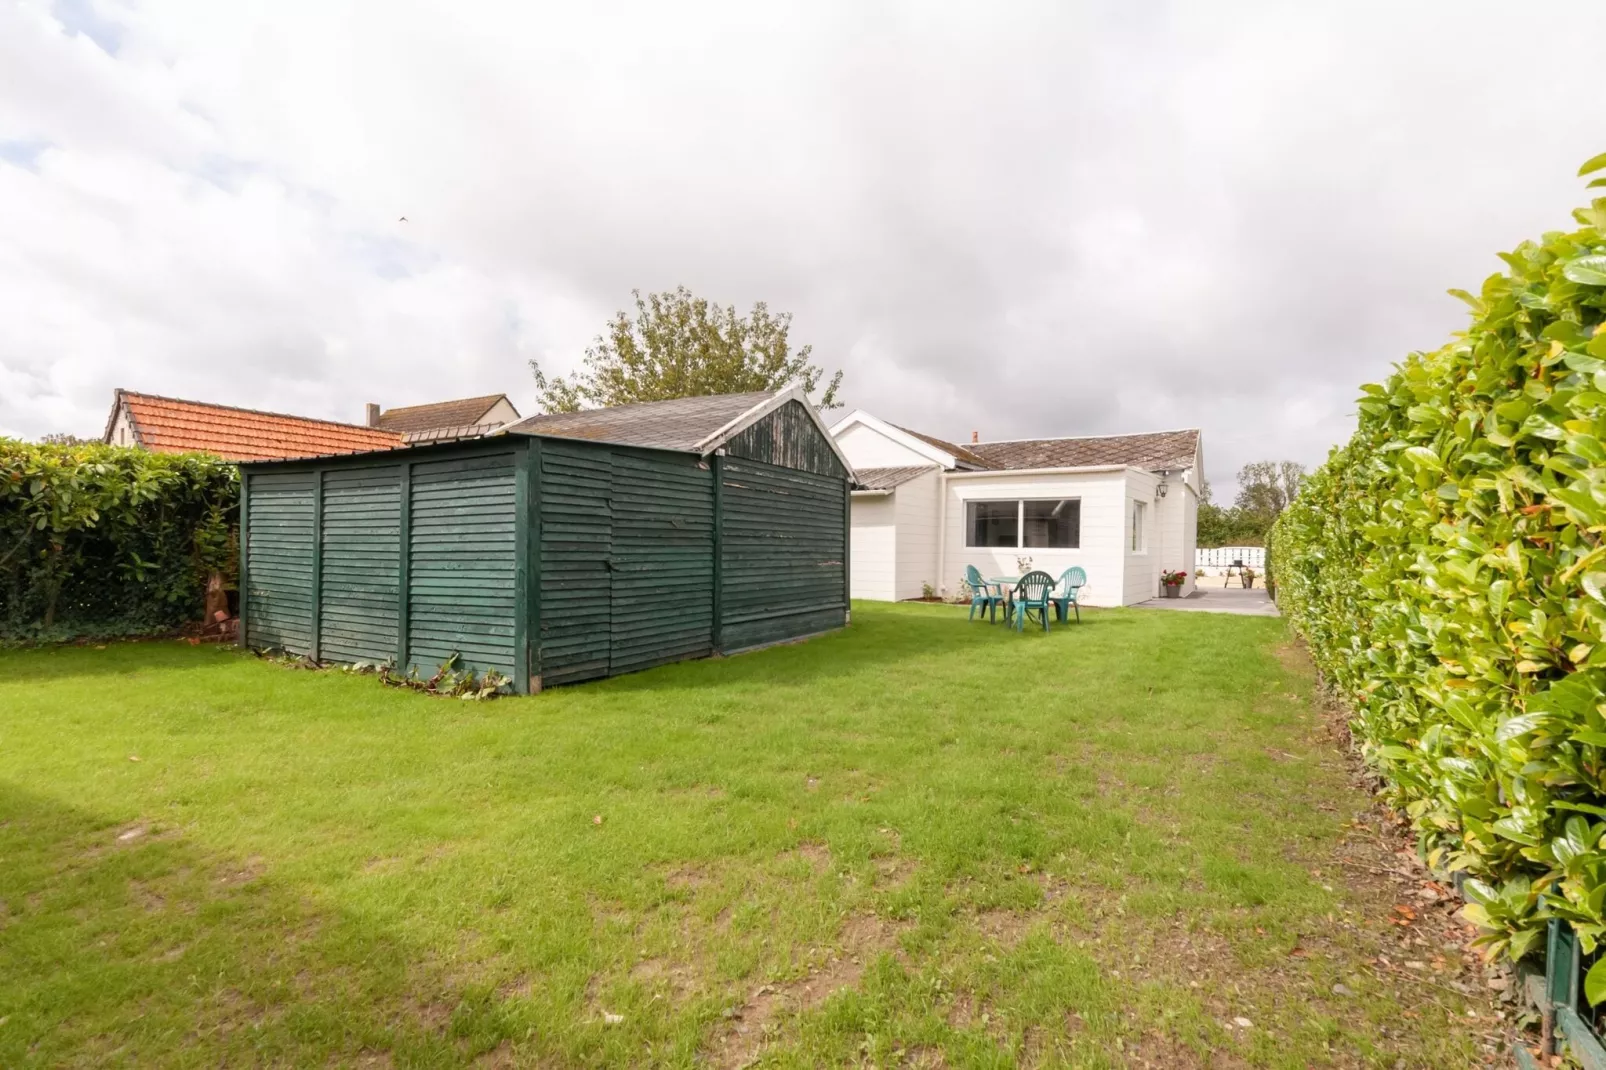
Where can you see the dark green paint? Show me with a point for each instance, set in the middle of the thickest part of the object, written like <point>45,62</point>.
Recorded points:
<point>551,560</point>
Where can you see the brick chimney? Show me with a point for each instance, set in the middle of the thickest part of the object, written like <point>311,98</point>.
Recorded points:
<point>975,437</point>
<point>373,414</point>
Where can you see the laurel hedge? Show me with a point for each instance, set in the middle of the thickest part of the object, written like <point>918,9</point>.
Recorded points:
<point>1447,568</point>
<point>107,540</point>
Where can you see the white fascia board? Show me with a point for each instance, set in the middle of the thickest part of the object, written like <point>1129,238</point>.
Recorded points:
<point>1005,472</point>
<point>896,434</point>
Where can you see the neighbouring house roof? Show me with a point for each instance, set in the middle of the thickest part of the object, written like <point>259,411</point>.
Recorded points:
<point>462,413</point>
<point>960,452</point>
<point>1155,450</point>
<point>888,478</point>
<point>681,424</point>
<point>172,425</point>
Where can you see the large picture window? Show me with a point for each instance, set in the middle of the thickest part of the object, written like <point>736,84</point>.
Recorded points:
<point>1024,523</point>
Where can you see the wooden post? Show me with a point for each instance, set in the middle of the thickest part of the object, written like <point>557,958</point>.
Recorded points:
<point>317,565</point>
<point>243,546</point>
<point>404,564</point>
<point>717,637</point>
<point>847,550</point>
<point>532,529</point>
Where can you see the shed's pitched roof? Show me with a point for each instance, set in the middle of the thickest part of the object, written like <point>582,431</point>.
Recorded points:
<point>464,412</point>
<point>889,478</point>
<point>1160,449</point>
<point>680,424</point>
<point>173,425</point>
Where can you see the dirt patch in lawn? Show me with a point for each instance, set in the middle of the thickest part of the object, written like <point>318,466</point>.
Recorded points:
<point>749,1027</point>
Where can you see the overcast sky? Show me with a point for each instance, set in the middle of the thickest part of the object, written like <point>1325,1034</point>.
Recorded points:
<point>1018,219</point>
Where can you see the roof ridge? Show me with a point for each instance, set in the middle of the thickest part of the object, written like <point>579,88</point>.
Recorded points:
<point>122,393</point>
<point>438,404</point>
<point>1078,438</point>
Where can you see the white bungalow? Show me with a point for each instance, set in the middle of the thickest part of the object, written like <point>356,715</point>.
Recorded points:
<point>1124,507</point>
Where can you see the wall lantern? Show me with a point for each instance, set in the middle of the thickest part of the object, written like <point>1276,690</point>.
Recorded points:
<point>1163,486</point>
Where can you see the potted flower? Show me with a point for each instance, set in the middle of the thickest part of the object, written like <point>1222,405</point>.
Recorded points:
<point>1249,577</point>
<point>1171,582</point>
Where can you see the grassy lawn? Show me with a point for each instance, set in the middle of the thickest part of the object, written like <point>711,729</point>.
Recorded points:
<point>917,842</point>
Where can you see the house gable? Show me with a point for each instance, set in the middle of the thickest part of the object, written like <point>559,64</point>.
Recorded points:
<point>869,442</point>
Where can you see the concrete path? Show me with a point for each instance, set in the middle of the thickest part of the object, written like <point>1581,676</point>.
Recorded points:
<point>1214,599</point>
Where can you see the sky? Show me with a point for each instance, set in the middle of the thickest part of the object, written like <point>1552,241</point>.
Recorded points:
<point>1013,219</point>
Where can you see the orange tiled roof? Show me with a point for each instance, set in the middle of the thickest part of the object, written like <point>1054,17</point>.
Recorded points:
<point>170,425</point>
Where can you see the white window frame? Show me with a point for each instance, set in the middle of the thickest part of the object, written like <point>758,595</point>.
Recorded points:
<point>1020,522</point>
<point>1139,543</point>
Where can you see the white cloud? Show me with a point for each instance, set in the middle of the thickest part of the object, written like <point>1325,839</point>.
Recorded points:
<point>1033,219</point>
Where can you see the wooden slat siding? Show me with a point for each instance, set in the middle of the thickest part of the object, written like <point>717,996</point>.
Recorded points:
<point>787,437</point>
<point>532,535</point>
<point>317,565</point>
<point>243,620</point>
<point>662,506</point>
<point>576,544</point>
<point>521,571</point>
<point>278,555</point>
<point>361,564</point>
<point>404,560</point>
<point>462,562</point>
<point>717,469</point>
<point>783,553</point>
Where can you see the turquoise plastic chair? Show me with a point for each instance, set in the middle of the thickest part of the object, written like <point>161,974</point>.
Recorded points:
<point>1032,596</point>
<point>982,595</point>
<point>1071,585</point>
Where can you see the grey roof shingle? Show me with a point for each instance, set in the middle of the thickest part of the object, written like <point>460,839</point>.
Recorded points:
<point>888,478</point>
<point>1160,449</point>
<point>680,424</point>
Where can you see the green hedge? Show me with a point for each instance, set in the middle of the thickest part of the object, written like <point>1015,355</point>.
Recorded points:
<point>105,540</point>
<point>1448,569</point>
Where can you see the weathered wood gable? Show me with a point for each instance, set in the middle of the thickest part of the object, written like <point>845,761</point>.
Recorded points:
<point>790,438</point>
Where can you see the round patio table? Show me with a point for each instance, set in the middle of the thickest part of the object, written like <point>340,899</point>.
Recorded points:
<point>1006,586</point>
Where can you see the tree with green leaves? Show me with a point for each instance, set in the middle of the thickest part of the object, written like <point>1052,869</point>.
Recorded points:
<point>679,345</point>
<point>1265,488</point>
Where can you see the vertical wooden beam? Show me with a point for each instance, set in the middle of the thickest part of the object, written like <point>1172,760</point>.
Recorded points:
<point>532,527</point>
<point>717,466</point>
<point>404,564</point>
<point>847,550</point>
<point>242,543</point>
<point>317,565</point>
<point>521,571</point>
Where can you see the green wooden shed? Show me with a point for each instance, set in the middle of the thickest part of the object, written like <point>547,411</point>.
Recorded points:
<point>566,547</point>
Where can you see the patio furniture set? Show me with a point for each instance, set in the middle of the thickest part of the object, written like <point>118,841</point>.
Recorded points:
<point>1021,597</point>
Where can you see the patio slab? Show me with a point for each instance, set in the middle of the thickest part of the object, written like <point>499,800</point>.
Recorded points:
<point>1253,602</point>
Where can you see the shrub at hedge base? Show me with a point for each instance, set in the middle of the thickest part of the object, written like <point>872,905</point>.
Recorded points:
<point>106,540</point>
<point>1448,569</point>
